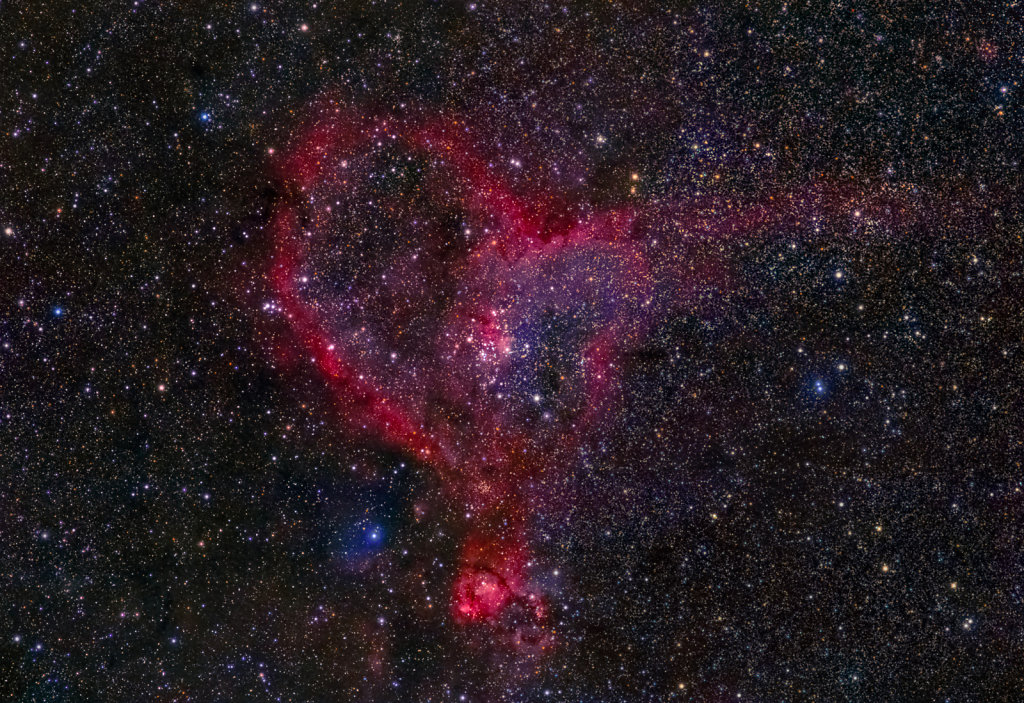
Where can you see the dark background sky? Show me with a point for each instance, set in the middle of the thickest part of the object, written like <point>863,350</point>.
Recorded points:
<point>829,509</point>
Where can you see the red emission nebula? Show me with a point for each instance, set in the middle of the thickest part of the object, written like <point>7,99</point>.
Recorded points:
<point>470,315</point>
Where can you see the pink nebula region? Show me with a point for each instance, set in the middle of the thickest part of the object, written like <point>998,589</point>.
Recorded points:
<point>474,317</point>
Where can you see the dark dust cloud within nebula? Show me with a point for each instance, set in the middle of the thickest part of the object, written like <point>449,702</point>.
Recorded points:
<point>478,351</point>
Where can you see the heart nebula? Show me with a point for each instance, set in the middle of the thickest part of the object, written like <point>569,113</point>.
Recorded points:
<point>472,318</point>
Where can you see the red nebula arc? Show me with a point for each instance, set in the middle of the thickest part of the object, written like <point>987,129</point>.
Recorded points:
<point>499,381</point>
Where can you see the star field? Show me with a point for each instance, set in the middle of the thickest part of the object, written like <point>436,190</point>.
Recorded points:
<point>473,351</point>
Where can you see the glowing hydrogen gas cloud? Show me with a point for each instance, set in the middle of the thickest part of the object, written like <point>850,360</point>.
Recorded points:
<point>478,320</point>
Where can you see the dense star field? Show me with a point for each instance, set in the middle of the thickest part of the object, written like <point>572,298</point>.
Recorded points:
<point>511,351</point>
